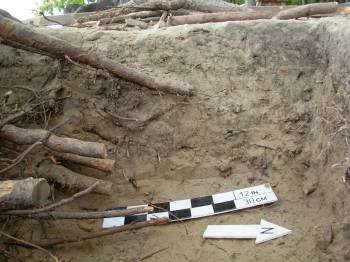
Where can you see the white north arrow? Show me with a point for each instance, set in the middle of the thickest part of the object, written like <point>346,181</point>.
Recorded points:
<point>263,232</point>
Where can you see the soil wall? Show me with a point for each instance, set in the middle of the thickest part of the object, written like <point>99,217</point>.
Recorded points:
<point>271,106</point>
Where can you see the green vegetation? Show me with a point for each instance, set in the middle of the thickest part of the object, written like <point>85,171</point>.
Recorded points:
<point>48,6</point>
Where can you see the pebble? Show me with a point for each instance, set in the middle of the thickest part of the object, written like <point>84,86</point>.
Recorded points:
<point>310,183</point>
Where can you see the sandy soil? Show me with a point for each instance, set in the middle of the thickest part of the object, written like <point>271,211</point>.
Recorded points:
<point>271,106</point>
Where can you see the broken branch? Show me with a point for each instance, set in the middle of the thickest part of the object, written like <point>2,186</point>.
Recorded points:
<point>29,244</point>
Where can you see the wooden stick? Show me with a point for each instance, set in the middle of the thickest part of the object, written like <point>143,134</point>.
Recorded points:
<point>17,32</point>
<point>62,202</point>
<point>307,10</point>
<point>106,232</point>
<point>86,215</point>
<point>63,144</point>
<point>106,165</point>
<point>29,244</point>
<point>23,193</point>
<point>72,181</point>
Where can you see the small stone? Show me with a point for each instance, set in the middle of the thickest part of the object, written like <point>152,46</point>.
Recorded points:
<point>224,166</point>
<point>85,226</point>
<point>310,183</point>
<point>237,108</point>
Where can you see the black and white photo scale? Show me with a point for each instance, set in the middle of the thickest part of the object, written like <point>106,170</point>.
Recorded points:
<point>199,206</point>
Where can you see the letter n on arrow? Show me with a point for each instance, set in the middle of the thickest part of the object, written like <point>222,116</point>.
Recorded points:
<point>267,230</point>
<point>270,231</point>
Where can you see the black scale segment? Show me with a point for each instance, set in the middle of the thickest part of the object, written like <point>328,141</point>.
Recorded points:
<point>180,214</point>
<point>201,201</point>
<point>224,206</point>
<point>135,218</point>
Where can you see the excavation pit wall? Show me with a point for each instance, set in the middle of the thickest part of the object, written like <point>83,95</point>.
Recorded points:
<point>271,106</point>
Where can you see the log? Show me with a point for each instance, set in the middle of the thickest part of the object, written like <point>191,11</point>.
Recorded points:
<point>292,13</point>
<point>62,144</point>
<point>217,17</point>
<point>22,34</point>
<point>106,165</point>
<point>307,10</point>
<point>209,6</point>
<point>122,18</point>
<point>163,5</point>
<point>67,179</point>
<point>24,193</point>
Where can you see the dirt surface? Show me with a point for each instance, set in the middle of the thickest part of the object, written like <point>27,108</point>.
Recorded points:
<point>271,106</point>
